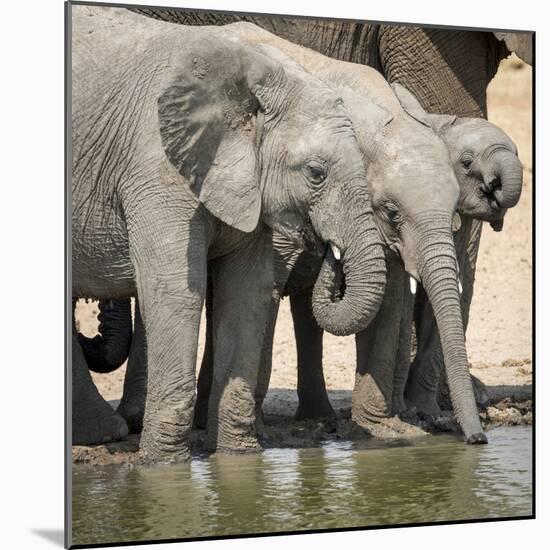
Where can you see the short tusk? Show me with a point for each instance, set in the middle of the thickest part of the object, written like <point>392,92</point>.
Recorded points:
<point>412,282</point>
<point>458,277</point>
<point>335,251</point>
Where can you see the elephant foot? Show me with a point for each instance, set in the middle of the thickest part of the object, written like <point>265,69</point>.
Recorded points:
<point>244,444</point>
<point>151,455</point>
<point>132,412</point>
<point>165,436</point>
<point>238,438</point>
<point>244,450</point>
<point>315,409</point>
<point>95,422</point>
<point>391,427</point>
<point>477,439</point>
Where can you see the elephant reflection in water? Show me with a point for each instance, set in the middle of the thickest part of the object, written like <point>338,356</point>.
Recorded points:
<point>336,486</point>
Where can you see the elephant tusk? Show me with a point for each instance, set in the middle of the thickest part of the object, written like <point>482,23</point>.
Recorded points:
<point>458,277</point>
<point>335,251</point>
<point>412,283</point>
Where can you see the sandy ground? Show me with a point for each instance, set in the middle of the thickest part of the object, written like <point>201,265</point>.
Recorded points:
<point>499,337</point>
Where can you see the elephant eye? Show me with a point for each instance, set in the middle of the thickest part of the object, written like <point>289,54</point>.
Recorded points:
<point>392,213</point>
<point>316,171</point>
<point>467,162</point>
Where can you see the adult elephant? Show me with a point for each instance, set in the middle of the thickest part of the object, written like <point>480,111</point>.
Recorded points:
<point>448,72</point>
<point>190,146</point>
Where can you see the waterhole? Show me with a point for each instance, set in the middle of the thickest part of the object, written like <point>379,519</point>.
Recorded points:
<point>336,485</point>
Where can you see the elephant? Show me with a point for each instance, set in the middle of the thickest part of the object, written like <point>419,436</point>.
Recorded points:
<point>415,194</point>
<point>489,173</point>
<point>447,70</point>
<point>191,147</point>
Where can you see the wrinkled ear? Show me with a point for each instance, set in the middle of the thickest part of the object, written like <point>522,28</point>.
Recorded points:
<point>411,105</point>
<point>208,108</point>
<point>367,117</point>
<point>441,123</point>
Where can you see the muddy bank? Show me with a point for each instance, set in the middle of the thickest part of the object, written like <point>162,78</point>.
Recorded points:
<point>281,430</point>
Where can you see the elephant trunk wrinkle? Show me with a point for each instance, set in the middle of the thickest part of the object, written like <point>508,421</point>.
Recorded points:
<point>438,272</point>
<point>508,173</point>
<point>348,293</point>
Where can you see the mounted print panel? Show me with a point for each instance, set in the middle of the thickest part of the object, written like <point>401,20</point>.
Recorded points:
<point>301,274</point>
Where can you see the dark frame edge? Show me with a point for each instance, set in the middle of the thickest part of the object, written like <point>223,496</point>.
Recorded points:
<point>319,18</point>
<point>534,264</point>
<point>305,532</point>
<point>67,538</point>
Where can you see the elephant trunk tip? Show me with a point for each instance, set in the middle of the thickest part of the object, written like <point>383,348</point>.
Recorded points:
<point>478,438</point>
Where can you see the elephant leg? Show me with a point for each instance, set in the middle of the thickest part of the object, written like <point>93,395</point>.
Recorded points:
<point>94,420</point>
<point>377,346</point>
<point>132,404</point>
<point>242,284</point>
<point>169,256</point>
<point>403,361</point>
<point>266,361</point>
<point>204,382</point>
<point>427,366</point>
<point>312,392</point>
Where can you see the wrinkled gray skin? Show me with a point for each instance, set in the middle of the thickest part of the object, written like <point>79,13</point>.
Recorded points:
<point>407,173</point>
<point>415,194</point>
<point>190,146</point>
<point>470,142</point>
<point>448,71</point>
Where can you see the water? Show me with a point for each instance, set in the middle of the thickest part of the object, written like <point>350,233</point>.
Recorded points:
<point>340,484</point>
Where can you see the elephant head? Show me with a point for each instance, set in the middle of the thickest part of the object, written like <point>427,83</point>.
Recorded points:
<point>485,161</point>
<point>258,138</point>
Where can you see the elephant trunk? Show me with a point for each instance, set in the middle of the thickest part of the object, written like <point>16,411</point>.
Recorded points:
<point>437,269</point>
<point>348,292</point>
<point>507,178</point>
<point>108,350</point>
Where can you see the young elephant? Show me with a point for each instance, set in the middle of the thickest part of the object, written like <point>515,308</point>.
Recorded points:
<point>190,146</point>
<point>410,208</point>
<point>490,176</point>
<point>415,194</point>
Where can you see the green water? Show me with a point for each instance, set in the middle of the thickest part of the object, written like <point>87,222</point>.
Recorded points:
<point>340,484</point>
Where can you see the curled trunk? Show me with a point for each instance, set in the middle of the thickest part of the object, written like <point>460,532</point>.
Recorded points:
<point>508,175</point>
<point>108,350</point>
<point>438,272</point>
<point>348,293</point>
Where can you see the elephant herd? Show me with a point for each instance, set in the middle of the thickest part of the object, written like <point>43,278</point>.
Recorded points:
<point>217,164</point>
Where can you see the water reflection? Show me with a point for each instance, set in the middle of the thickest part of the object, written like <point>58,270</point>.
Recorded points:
<point>337,485</point>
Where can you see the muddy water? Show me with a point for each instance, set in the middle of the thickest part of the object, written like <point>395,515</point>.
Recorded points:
<point>339,484</point>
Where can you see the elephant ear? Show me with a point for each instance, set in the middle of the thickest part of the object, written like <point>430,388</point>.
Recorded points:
<point>368,117</point>
<point>210,113</point>
<point>411,105</point>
